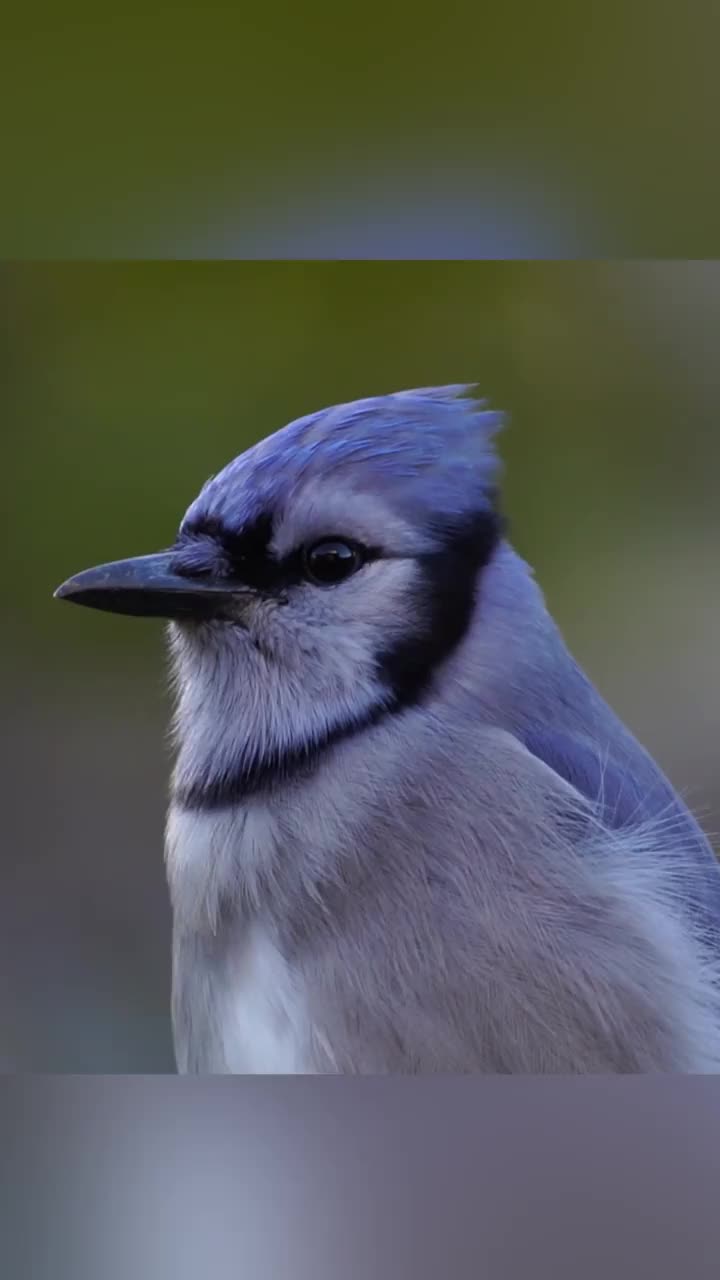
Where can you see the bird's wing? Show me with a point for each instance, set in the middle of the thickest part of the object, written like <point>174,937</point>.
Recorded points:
<point>597,776</point>
<point>633,793</point>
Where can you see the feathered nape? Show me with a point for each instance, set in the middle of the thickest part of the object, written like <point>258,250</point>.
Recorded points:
<point>430,449</point>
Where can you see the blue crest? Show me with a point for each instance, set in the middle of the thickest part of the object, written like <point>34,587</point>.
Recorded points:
<point>429,449</point>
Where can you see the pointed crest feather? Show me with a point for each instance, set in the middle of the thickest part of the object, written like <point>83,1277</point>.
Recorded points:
<point>428,449</point>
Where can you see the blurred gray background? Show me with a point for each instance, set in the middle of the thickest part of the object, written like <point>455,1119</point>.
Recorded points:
<point>125,386</point>
<point>307,1178</point>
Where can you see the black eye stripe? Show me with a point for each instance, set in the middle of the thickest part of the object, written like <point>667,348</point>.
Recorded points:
<point>245,554</point>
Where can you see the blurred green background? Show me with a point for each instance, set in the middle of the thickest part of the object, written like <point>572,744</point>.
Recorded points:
<point>286,130</point>
<point>125,386</point>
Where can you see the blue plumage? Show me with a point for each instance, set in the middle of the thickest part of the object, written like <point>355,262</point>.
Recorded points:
<point>629,790</point>
<point>406,833</point>
<point>430,449</point>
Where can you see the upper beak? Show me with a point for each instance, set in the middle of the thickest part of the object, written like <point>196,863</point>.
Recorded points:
<point>148,586</point>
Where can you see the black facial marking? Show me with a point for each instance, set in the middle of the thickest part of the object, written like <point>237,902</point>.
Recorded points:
<point>444,602</point>
<point>244,554</point>
<point>217,791</point>
<point>253,538</point>
<point>206,546</point>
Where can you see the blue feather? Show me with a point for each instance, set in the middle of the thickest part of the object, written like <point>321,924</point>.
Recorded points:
<point>428,451</point>
<point>630,796</point>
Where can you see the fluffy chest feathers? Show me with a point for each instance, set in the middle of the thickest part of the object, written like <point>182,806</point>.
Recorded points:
<point>262,1015</point>
<point>431,911</point>
<point>239,1006</point>
<point>218,857</point>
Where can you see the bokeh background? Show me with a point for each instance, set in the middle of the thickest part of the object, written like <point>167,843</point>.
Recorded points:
<point>125,386</point>
<point>516,130</point>
<point>386,1178</point>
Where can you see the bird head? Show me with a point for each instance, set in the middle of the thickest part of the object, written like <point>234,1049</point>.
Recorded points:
<point>317,583</point>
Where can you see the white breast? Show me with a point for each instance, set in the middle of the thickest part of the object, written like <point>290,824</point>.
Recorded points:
<point>262,1019</point>
<point>249,1009</point>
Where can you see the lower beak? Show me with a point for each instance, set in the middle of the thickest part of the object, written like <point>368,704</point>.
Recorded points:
<point>149,586</point>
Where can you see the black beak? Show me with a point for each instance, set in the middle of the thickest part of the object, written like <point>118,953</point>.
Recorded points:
<point>150,586</point>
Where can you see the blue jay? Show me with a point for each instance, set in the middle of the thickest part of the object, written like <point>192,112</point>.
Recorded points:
<point>405,833</point>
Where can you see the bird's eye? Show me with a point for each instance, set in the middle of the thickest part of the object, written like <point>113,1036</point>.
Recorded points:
<point>332,561</point>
